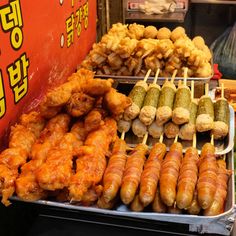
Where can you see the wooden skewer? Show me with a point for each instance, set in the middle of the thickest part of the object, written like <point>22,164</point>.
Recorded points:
<point>179,83</point>
<point>145,138</point>
<point>173,76</point>
<point>194,140</point>
<point>192,89</point>
<point>161,138</point>
<point>212,139</point>
<point>156,76</point>
<point>185,75</point>
<point>176,138</point>
<point>224,157</point>
<point>222,91</point>
<point>206,89</point>
<point>147,75</point>
<point>122,137</point>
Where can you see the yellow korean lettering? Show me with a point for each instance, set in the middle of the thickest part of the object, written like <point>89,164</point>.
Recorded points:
<point>79,16</point>
<point>86,13</point>
<point>2,97</point>
<point>70,30</point>
<point>20,90</point>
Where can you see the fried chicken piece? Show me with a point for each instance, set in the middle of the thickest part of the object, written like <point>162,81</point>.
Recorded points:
<point>56,172</point>
<point>98,87</point>
<point>78,129</point>
<point>136,31</point>
<point>116,102</point>
<point>48,112</point>
<point>34,122</point>
<point>27,187</point>
<point>91,162</point>
<point>7,183</point>
<point>126,47</point>
<point>79,104</point>
<point>93,120</point>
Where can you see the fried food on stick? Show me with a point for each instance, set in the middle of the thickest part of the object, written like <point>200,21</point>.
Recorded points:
<point>170,173</point>
<point>91,162</point>
<point>116,102</point>
<point>114,172</point>
<point>27,187</point>
<point>206,185</point>
<point>79,104</point>
<point>22,137</point>
<point>217,206</point>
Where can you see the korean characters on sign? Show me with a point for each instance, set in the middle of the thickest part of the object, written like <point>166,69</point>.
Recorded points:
<point>74,22</point>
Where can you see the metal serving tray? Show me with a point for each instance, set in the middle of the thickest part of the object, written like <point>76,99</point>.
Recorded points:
<point>220,224</point>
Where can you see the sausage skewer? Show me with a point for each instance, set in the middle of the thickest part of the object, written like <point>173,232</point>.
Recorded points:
<point>217,205</point>
<point>206,185</point>
<point>181,112</point>
<point>148,111</point>
<point>221,123</point>
<point>205,113</point>
<point>133,171</point>
<point>166,100</point>
<point>188,130</point>
<point>170,172</point>
<point>137,96</point>
<point>187,177</point>
<point>151,173</point>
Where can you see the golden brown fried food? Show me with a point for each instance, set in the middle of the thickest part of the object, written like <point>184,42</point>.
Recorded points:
<point>79,104</point>
<point>91,162</point>
<point>21,137</point>
<point>56,172</point>
<point>116,102</point>
<point>78,129</point>
<point>48,112</point>
<point>98,87</point>
<point>34,122</point>
<point>7,183</point>
<point>93,120</point>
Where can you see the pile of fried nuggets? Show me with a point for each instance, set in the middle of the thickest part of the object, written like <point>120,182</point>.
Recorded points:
<point>133,49</point>
<point>61,150</point>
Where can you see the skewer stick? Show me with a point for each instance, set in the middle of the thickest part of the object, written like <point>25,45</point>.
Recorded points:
<point>212,139</point>
<point>147,75</point>
<point>192,89</point>
<point>122,137</point>
<point>185,75</point>
<point>194,140</point>
<point>161,138</point>
<point>156,76</point>
<point>222,90</point>
<point>206,89</point>
<point>224,157</point>
<point>173,76</point>
<point>179,83</point>
<point>145,138</point>
<point>176,138</point>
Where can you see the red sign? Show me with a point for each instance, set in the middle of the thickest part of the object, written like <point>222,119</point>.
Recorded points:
<point>41,44</point>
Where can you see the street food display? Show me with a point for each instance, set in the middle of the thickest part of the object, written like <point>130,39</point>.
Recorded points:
<point>131,50</point>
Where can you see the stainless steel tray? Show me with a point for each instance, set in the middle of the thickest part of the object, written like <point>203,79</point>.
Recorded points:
<point>220,224</point>
<point>221,146</point>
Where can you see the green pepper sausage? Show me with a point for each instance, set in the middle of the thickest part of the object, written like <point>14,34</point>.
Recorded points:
<point>167,97</point>
<point>137,95</point>
<point>152,97</point>
<point>221,109</point>
<point>182,98</point>
<point>193,113</point>
<point>205,106</point>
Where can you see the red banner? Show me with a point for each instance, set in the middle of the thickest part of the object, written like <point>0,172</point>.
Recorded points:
<point>41,44</point>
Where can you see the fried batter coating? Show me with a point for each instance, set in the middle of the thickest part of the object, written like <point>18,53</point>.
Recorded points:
<point>98,87</point>
<point>93,120</point>
<point>116,102</point>
<point>91,162</point>
<point>78,129</point>
<point>79,104</point>
<point>34,122</point>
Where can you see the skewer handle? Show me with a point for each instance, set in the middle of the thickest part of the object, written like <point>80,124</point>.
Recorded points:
<point>192,89</point>
<point>176,138</point>
<point>185,75</point>
<point>173,76</point>
<point>156,76</point>
<point>161,138</point>
<point>122,137</point>
<point>194,140</point>
<point>145,138</point>
<point>212,139</point>
<point>206,89</point>
<point>147,75</point>
<point>222,90</point>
